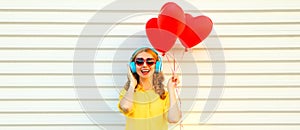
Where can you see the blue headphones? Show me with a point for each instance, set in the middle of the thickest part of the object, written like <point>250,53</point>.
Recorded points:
<point>158,65</point>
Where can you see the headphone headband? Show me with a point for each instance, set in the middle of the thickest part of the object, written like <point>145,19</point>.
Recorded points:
<point>134,53</point>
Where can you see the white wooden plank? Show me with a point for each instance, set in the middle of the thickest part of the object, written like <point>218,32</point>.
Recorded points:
<point>53,127</point>
<point>81,17</point>
<point>19,29</point>
<point>244,106</point>
<point>259,118</point>
<point>204,80</point>
<point>36,16</point>
<point>222,118</point>
<point>74,106</point>
<point>236,4</point>
<point>252,17</point>
<point>113,93</point>
<point>55,119</point>
<point>123,55</point>
<point>41,106</point>
<point>109,68</point>
<point>201,4</point>
<point>239,127</point>
<point>55,4</point>
<point>266,42</point>
<point>114,43</point>
<point>185,127</point>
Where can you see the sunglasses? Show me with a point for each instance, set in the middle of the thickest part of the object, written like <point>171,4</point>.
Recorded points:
<point>140,61</point>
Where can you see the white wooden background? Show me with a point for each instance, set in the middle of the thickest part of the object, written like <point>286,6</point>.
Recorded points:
<point>261,42</point>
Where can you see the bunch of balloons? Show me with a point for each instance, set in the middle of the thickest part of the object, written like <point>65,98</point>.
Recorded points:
<point>173,23</point>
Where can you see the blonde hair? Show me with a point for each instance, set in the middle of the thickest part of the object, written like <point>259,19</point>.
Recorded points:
<point>158,77</point>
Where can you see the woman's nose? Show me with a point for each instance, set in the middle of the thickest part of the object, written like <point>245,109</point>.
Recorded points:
<point>145,64</point>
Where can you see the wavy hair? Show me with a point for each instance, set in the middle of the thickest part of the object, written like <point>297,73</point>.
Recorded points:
<point>158,77</point>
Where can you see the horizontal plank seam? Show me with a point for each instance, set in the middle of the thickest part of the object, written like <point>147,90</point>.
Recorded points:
<point>125,61</point>
<point>132,49</point>
<point>120,74</point>
<point>183,99</point>
<point>142,23</point>
<point>154,11</point>
<point>119,87</point>
<point>197,124</point>
<point>144,36</point>
<point>116,112</point>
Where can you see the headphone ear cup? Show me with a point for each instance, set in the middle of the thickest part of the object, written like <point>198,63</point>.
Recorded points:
<point>132,67</point>
<point>158,66</point>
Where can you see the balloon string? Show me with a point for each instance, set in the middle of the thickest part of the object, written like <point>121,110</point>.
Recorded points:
<point>175,69</point>
<point>174,64</point>
<point>169,67</point>
<point>180,59</point>
<point>174,61</point>
<point>180,123</point>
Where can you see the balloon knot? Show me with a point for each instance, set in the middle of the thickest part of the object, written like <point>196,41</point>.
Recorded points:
<point>186,49</point>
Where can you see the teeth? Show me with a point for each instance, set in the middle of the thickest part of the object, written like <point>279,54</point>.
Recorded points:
<point>145,70</point>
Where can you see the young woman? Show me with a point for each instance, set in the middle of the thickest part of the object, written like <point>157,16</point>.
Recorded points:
<point>144,101</point>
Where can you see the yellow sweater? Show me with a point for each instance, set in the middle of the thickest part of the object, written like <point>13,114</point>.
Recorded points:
<point>149,112</point>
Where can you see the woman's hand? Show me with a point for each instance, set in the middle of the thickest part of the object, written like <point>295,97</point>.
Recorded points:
<point>131,78</point>
<point>173,81</point>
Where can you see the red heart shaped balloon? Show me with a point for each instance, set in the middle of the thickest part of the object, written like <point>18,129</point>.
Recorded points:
<point>171,18</point>
<point>161,40</point>
<point>196,30</point>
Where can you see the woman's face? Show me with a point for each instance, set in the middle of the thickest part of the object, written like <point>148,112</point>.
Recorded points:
<point>145,65</point>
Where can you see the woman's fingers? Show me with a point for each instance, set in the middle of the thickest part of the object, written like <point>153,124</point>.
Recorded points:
<point>131,77</point>
<point>130,72</point>
<point>175,79</point>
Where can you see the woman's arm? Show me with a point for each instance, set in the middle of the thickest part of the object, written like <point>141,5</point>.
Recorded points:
<point>174,113</point>
<point>126,102</point>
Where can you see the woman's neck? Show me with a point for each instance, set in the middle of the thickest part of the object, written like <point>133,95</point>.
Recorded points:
<point>146,83</point>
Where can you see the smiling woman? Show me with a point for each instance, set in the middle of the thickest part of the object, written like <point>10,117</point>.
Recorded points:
<point>144,100</point>
<point>260,40</point>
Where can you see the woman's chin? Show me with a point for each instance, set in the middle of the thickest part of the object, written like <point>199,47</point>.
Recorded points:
<point>146,75</point>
